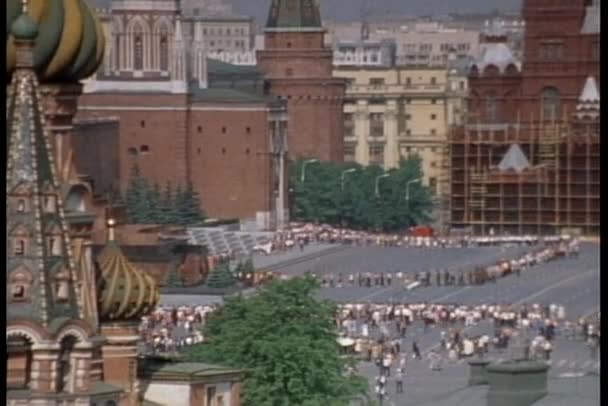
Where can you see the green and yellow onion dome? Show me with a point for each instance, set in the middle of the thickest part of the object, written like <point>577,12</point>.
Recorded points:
<point>127,293</point>
<point>69,45</point>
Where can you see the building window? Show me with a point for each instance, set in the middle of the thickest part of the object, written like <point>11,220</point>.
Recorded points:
<point>21,206</point>
<point>433,164</point>
<point>223,151</point>
<point>433,116</point>
<point>199,129</point>
<point>223,130</point>
<point>408,116</point>
<point>138,43</point>
<point>433,81</point>
<point>433,184</point>
<point>132,151</point>
<point>142,124</point>
<point>19,247</point>
<point>595,50</point>
<point>491,107</point>
<point>433,101</point>
<point>198,150</point>
<point>248,130</point>
<point>550,99</point>
<point>349,125</point>
<point>376,154</point>
<point>247,151</point>
<point>164,51</point>
<point>289,45</point>
<point>144,149</point>
<point>433,132</point>
<point>408,81</point>
<point>408,132</point>
<point>349,153</point>
<point>376,81</point>
<point>376,124</point>
<point>461,85</point>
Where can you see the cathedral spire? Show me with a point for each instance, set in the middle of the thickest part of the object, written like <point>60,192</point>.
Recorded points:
<point>42,284</point>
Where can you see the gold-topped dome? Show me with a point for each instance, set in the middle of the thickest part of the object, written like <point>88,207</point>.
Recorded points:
<point>70,41</point>
<point>127,293</point>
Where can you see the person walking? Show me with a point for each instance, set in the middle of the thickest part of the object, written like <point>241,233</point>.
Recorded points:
<point>399,381</point>
<point>416,350</point>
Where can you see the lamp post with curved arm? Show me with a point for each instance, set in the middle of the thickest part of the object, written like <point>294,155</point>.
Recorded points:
<point>377,190</point>
<point>344,173</point>
<point>309,161</point>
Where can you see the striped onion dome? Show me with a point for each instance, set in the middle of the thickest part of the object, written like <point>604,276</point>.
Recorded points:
<point>69,45</point>
<point>127,293</point>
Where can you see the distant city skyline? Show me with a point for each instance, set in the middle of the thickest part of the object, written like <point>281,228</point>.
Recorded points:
<point>347,10</point>
<point>336,10</point>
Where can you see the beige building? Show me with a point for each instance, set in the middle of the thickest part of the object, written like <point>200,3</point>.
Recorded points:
<point>394,113</point>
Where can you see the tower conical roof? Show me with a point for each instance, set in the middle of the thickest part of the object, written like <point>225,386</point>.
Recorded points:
<point>42,280</point>
<point>514,160</point>
<point>294,15</point>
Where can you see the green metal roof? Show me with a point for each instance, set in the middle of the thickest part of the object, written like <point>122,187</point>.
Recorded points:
<point>294,14</point>
<point>184,370</point>
<point>220,95</point>
<point>219,67</point>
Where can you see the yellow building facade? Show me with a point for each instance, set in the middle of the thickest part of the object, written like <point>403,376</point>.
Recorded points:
<point>398,112</point>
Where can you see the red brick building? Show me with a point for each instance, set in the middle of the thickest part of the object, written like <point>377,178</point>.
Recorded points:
<point>298,67</point>
<point>183,118</point>
<point>527,161</point>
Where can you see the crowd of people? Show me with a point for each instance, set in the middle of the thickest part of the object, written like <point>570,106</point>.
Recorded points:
<point>378,331</point>
<point>170,329</point>
<point>479,275</point>
<point>297,236</point>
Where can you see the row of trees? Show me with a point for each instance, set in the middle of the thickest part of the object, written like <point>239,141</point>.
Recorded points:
<point>345,195</point>
<point>147,204</point>
<point>224,276</point>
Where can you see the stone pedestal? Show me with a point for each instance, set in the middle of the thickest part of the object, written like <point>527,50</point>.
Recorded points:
<point>516,383</point>
<point>477,372</point>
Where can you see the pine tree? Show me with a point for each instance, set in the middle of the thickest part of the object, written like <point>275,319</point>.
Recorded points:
<point>167,214</point>
<point>221,276</point>
<point>155,205</point>
<point>177,206</point>
<point>191,213</point>
<point>135,197</point>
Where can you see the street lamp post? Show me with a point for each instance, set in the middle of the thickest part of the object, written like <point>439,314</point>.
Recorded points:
<point>407,188</point>
<point>386,175</point>
<point>309,161</point>
<point>351,170</point>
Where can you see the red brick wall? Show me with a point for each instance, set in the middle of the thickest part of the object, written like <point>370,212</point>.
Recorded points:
<point>231,171</point>
<point>230,161</point>
<point>163,132</point>
<point>302,74</point>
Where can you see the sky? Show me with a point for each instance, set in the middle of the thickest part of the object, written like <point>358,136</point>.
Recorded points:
<point>351,9</point>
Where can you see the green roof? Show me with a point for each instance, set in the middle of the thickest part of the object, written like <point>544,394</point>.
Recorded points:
<point>219,67</point>
<point>184,370</point>
<point>220,95</point>
<point>293,14</point>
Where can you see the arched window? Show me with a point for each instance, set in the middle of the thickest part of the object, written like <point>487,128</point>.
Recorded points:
<point>19,247</point>
<point>18,362</point>
<point>550,99</point>
<point>164,50</point>
<point>75,200</point>
<point>65,376</point>
<point>138,45</point>
<point>490,107</point>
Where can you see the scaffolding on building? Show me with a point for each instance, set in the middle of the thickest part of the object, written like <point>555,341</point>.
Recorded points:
<point>558,192</point>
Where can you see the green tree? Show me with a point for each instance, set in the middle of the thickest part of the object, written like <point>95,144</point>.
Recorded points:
<point>190,206</point>
<point>221,276</point>
<point>155,205</point>
<point>323,197</point>
<point>285,339</point>
<point>136,197</point>
<point>167,213</point>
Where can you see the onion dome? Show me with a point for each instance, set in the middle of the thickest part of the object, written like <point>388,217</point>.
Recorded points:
<point>69,45</point>
<point>24,28</point>
<point>127,293</point>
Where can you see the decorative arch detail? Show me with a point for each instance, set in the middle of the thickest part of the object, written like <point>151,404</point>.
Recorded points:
<point>138,44</point>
